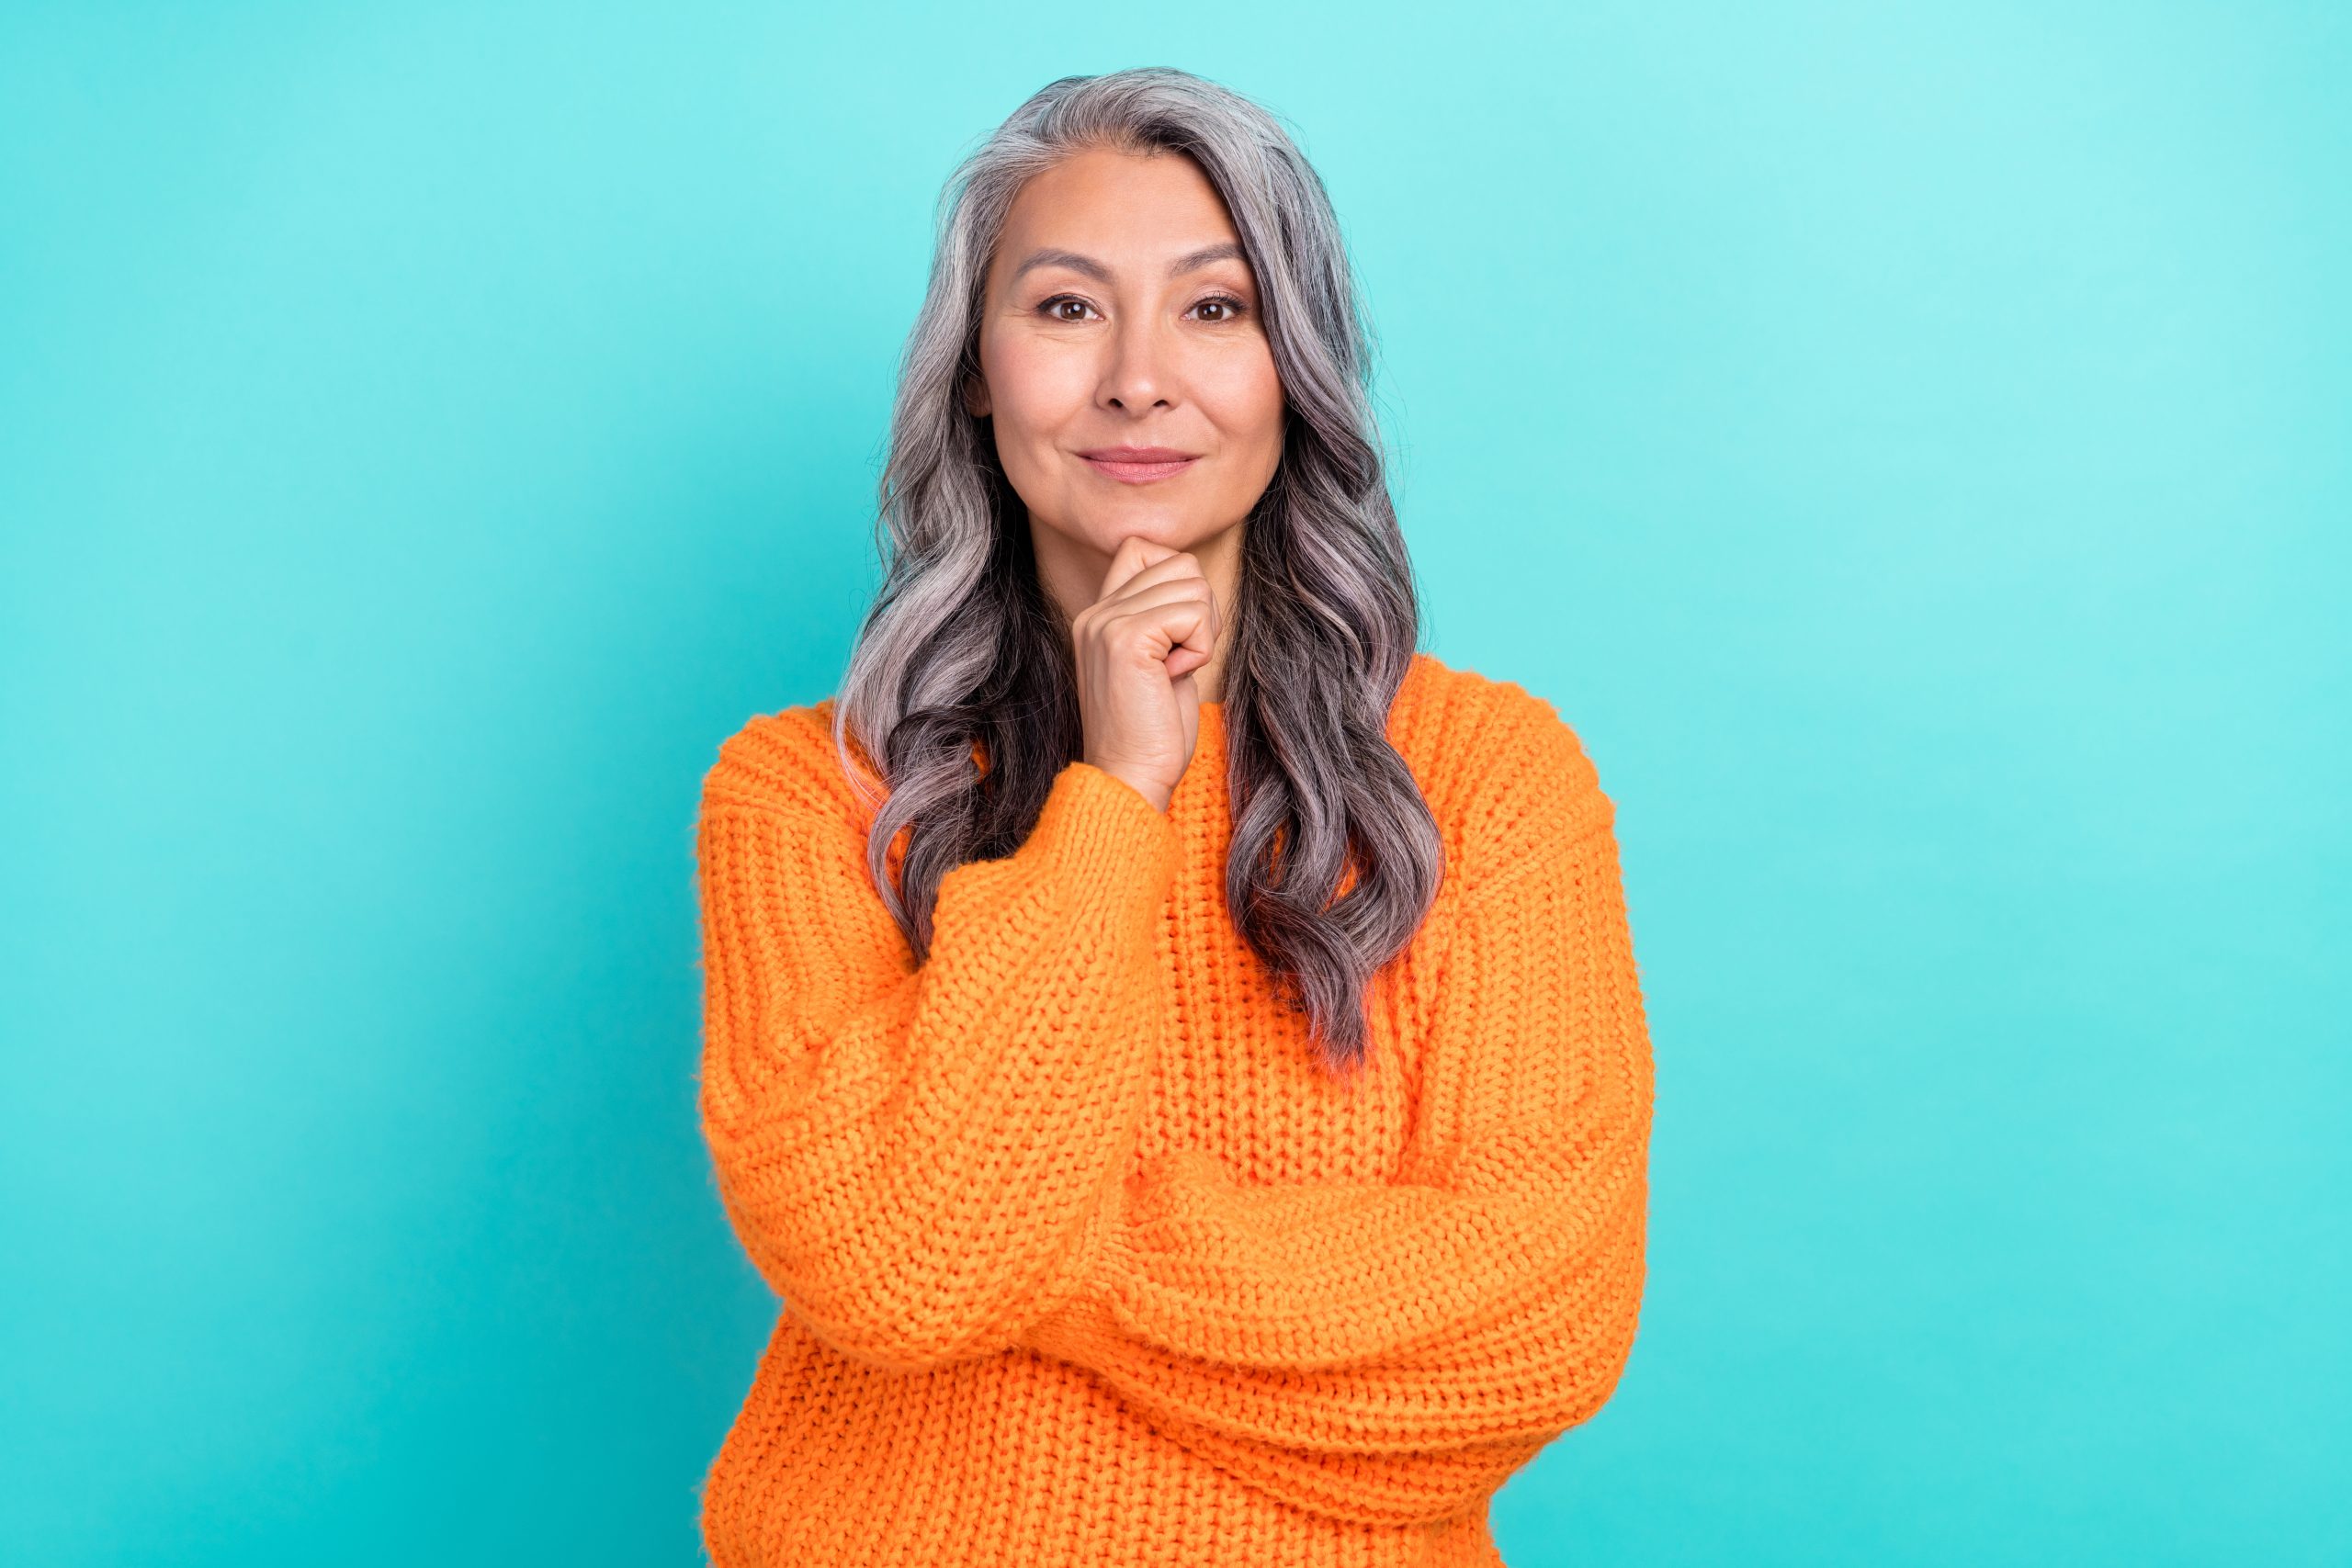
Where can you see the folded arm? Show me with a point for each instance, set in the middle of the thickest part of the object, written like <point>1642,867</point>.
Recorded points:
<point>916,1158</point>
<point>1391,1352</point>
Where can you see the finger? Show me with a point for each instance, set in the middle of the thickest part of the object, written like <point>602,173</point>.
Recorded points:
<point>1183,661</point>
<point>1135,555</point>
<point>1166,619</point>
<point>1176,566</point>
<point>1193,591</point>
<point>1157,595</point>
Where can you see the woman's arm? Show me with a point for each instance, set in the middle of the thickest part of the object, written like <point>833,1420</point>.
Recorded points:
<point>1391,1352</point>
<point>914,1156</point>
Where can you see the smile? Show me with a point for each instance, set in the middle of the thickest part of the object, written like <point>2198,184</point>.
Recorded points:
<point>1139,471</point>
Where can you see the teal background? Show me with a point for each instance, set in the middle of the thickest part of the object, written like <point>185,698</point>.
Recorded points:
<point>1909,445</point>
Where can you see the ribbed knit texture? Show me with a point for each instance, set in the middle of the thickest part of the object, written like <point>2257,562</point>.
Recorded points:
<point>1084,1257</point>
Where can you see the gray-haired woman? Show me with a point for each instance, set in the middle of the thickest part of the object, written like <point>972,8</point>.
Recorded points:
<point>1174,1047</point>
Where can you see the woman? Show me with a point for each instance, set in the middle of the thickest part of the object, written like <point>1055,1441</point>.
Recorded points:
<point>1175,1049</point>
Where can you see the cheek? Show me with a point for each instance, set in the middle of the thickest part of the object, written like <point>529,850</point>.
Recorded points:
<point>1036,389</point>
<point>1245,399</point>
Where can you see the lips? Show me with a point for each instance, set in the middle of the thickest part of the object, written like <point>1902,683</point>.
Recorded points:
<point>1140,465</point>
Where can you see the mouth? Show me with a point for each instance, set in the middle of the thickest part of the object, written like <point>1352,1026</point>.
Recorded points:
<point>1140,465</point>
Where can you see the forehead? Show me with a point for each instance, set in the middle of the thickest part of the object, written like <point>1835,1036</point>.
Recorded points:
<point>1128,212</point>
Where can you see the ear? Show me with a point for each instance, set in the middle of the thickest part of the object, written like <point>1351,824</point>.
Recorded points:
<point>976,397</point>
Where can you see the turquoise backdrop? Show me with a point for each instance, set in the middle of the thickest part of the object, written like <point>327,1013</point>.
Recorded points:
<point>1911,445</point>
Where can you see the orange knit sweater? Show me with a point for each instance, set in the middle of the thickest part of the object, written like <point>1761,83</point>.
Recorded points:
<point>1085,1258</point>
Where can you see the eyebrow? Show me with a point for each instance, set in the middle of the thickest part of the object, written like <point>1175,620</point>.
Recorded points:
<point>1191,261</point>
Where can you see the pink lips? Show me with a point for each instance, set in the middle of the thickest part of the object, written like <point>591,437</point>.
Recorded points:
<point>1140,465</point>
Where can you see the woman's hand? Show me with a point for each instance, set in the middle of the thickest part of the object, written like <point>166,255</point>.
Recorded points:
<point>1154,622</point>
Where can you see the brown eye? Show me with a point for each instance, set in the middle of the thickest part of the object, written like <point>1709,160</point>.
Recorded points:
<point>1225,303</point>
<point>1052,308</point>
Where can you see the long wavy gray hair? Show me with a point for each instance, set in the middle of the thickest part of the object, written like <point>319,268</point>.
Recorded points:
<point>963,645</point>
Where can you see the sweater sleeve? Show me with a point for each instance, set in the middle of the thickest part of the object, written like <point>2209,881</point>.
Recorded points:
<point>1391,1352</point>
<point>911,1156</point>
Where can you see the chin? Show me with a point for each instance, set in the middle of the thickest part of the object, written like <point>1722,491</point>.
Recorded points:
<point>1153,522</point>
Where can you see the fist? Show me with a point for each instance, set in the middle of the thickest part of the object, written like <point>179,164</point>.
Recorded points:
<point>1154,622</point>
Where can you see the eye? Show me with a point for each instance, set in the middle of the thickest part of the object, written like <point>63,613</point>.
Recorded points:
<point>1234,309</point>
<point>1051,308</point>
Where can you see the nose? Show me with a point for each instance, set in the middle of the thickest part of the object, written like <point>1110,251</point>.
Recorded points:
<point>1137,370</point>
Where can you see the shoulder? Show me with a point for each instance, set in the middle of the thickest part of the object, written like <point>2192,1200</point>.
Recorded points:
<point>789,761</point>
<point>1506,776</point>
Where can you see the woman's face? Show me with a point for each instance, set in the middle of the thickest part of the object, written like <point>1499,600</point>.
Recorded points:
<point>1119,313</point>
